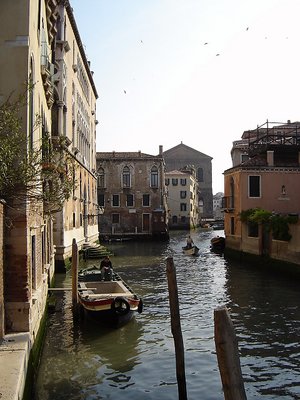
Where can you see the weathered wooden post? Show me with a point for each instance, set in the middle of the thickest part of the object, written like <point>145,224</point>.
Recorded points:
<point>228,356</point>
<point>176,329</point>
<point>74,276</point>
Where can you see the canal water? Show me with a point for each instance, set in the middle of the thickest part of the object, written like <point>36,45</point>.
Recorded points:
<point>137,361</point>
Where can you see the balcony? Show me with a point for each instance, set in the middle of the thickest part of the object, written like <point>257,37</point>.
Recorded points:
<point>227,204</point>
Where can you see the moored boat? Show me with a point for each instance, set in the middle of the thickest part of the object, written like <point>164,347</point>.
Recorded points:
<point>110,301</point>
<point>191,251</point>
<point>217,243</point>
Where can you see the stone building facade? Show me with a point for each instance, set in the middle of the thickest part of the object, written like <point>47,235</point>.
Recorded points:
<point>74,117</point>
<point>182,155</point>
<point>131,195</point>
<point>40,44</point>
<point>182,198</point>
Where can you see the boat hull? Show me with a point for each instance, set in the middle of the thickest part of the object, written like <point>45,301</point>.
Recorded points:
<point>217,244</point>
<point>111,302</point>
<point>193,251</point>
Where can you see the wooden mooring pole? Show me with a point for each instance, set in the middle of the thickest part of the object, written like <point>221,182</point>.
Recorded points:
<point>228,356</point>
<point>176,329</point>
<point>75,276</point>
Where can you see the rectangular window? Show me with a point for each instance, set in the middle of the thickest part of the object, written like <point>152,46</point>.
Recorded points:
<point>116,200</point>
<point>232,225</point>
<point>115,218</point>
<point>33,261</point>
<point>182,194</point>
<point>174,181</point>
<point>101,200</point>
<point>183,182</point>
<point>146,200</point>
<point>182,206</point>
<point>129,200</point>
<point>254,186</point>
<point>167,182</point>
<point>74,220</point>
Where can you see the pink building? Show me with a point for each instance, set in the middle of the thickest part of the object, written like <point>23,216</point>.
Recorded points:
<point>265,175</point>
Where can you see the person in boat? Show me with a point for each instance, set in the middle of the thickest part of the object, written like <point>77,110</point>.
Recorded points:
<point>189,242</point>
<point>106,269</point>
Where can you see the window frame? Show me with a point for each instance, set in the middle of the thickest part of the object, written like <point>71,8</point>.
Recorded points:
<point>132,198</point>
<point>126,177</point>
<point>154,181</point>
<point>101,178</point>
<point>113,198</point>
<point>253,191</point>
<point>143,198</point>
<point>183,207</point>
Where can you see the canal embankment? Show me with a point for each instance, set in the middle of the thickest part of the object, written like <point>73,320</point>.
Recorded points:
<point>14,360</point>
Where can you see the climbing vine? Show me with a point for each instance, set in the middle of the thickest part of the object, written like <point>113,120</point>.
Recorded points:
<point>278,224</point>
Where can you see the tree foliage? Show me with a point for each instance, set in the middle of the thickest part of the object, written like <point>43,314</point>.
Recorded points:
<point>43,173</point>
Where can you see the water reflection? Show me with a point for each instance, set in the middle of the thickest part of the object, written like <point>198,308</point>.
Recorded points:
<point>266,316</point>
<point>88,362</point>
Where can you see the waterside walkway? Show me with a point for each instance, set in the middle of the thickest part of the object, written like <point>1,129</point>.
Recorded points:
<point>14,354</point>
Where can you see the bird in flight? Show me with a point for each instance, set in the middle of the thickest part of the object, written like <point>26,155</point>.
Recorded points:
<point>125,91</point>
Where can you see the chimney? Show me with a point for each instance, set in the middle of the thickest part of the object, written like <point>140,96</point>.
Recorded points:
<point>160,150</point>
<point>270,158</point>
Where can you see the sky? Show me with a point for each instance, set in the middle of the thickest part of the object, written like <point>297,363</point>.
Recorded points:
<point>200,72</point>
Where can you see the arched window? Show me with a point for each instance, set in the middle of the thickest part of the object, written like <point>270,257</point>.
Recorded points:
<point>101,178</point>
<point>200,174</point>
<point>154,177</point>
<point>126,178</point>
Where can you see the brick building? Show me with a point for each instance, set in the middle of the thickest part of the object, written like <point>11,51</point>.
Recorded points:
<point>131,194</point>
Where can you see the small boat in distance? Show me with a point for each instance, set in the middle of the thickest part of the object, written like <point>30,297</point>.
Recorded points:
<point>191,251</point>
<point>111,301</point>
